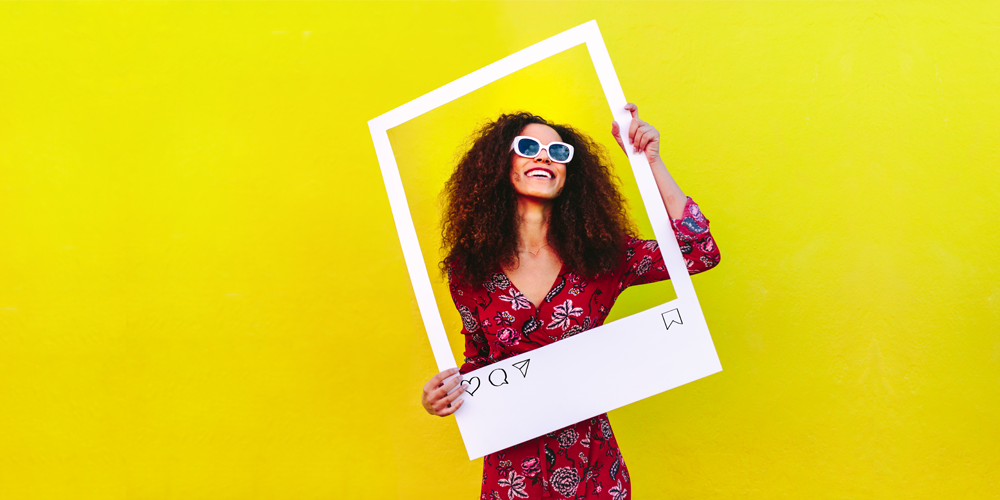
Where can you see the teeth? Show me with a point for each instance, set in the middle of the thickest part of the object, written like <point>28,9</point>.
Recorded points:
<point>541,174</point>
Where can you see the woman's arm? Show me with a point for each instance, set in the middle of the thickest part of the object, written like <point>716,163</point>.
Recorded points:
<point>690,225</point>
<point>646,138</point>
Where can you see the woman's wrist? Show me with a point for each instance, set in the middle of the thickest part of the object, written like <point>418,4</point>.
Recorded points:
<point>674,199</point>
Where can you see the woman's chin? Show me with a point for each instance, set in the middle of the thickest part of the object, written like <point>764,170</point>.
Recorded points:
<point>538,196</point>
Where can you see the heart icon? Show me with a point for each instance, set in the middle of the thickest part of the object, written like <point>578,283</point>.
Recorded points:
<point>473,390</point>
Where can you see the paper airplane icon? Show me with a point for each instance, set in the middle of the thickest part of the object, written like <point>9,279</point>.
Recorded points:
<point>522,366</point>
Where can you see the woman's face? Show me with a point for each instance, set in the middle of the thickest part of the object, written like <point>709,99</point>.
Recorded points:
<point>538,177</point>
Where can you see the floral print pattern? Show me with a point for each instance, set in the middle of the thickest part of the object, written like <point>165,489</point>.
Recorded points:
<point>531,466</point>
<point>517,300</point>
<point>567,438</point>
<point>516,485</point>
<point>565,481</point>
<point>507,336</point>
<point>618,492</point>
<point>581,461</point>
<point>563,314</point>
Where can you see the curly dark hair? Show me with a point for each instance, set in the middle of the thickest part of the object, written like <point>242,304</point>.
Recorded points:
<point>588,224</point>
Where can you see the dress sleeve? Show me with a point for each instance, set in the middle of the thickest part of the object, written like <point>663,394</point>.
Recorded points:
<point>477,349</point>
<point>643,262</point>
<point>695,239</point>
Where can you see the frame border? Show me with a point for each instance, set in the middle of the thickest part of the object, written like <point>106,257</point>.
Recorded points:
<point>588,34</point>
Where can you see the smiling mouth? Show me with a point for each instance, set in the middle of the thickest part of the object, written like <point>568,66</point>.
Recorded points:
<point>539,173</point>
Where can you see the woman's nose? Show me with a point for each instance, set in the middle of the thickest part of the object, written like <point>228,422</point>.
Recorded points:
<point>540,158</point>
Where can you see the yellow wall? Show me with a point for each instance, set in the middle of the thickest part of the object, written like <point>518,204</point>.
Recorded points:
<point>202,294</point>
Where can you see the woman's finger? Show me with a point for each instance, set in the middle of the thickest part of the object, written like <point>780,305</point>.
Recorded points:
<point>635,124</point>
<point>632,128</point>
<point>649,135</point>
<point>449,410</point>
<point>632,108</point>
<point>453,383</point>
<point>436,380</point>
<point>654,136</point>
<point>616,133</point>
<point>447,400</point>
<point>450,399</point>
<point>443,391</point>
<point>638,142</point>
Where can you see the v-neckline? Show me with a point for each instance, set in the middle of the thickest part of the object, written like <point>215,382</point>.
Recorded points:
<point>562,270</point>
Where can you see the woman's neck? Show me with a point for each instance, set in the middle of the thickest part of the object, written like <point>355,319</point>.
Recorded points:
<point>533,230</point>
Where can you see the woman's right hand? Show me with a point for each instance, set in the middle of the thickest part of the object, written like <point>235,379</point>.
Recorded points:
<point>436,399</point>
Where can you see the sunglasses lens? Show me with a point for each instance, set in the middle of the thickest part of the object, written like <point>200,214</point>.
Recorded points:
<point>528,147</point>
<point>559,152</point>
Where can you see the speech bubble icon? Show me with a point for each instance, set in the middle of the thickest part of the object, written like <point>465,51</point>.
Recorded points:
<point>502,379</point>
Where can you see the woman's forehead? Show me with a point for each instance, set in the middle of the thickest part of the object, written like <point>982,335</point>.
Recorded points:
<point>543,133</point>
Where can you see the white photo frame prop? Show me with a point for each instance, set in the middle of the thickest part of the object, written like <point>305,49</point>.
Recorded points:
<point>595,371</point>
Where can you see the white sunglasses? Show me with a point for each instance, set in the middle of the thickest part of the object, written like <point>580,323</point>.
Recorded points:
<point>529,147</point>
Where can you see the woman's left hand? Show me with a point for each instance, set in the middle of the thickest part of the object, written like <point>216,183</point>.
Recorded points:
<point>644,136</point>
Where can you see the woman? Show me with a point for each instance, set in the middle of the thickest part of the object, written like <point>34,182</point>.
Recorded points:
<point>539,246</point>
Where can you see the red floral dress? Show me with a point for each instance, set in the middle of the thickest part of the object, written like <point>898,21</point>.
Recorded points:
<point>581,461</point>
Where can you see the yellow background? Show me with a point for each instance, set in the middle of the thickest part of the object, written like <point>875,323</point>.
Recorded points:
<point>428,147</point>
<point>202,294</point>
